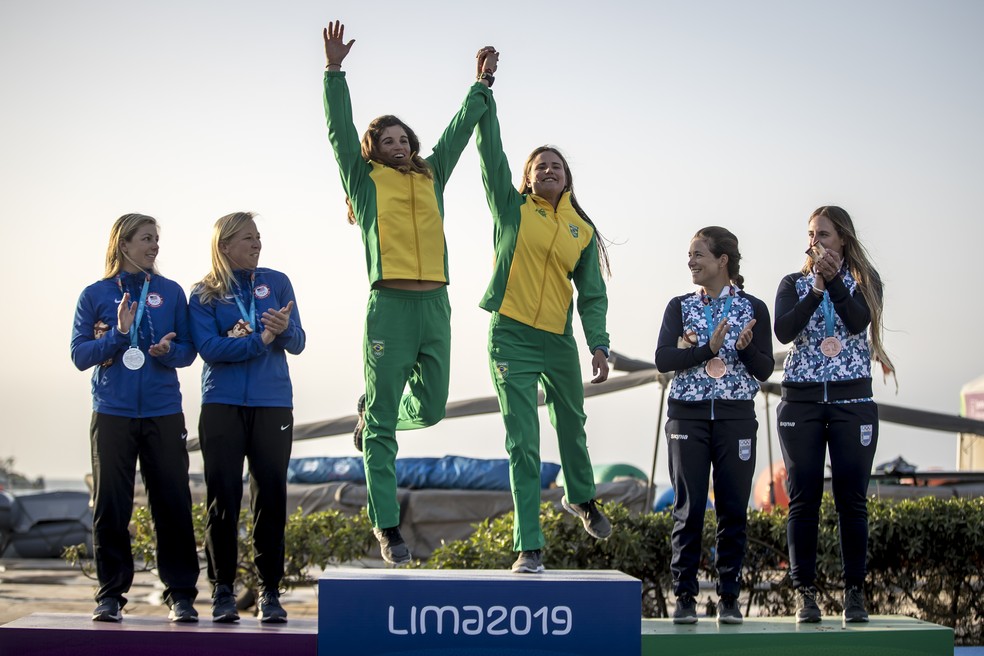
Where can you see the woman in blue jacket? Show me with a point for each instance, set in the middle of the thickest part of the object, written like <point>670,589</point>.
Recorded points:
<point>718,342</point>
<point>244,324</point>
<point>131,327</point>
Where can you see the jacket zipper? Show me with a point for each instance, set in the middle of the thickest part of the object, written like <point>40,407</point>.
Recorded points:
<point>546,264</point>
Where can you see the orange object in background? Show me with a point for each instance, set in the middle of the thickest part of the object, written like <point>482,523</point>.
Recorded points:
<point>760,491</point>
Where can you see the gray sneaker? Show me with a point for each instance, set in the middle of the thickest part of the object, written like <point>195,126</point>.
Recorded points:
<point>808,612</point>
<point>108,610</point>
<point>595,522</point>
<point>269,610</point>
<point>183,612</point>
<point>728,610</point>
<point>395,551</point>
<point>529,562</point>
<point>686,609</point>
<point>360,425</point>
<point>224,605</point>
<point>854,606</point>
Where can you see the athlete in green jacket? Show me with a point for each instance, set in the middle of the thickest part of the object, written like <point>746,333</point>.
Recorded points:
<point>543,242</point>
<point>396,198</point>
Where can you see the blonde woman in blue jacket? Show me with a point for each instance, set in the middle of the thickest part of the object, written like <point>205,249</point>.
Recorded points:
<point>131,328</point>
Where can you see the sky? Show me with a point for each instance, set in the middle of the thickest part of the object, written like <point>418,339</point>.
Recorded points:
<point>673,115</point>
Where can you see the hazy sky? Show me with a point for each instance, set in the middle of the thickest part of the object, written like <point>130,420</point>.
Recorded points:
<point>674,115</point>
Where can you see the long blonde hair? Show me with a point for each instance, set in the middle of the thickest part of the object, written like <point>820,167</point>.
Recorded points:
<point>124,228</point>
<point>219,282</point>
<point>864,273</point>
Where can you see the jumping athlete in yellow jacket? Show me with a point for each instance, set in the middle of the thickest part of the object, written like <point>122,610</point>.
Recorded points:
<point>396,197</point>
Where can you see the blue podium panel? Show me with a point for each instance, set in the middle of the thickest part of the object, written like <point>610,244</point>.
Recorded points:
<point>372,612</point>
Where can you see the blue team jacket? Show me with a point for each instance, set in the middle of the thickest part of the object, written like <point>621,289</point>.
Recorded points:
<point>152,390</point>
<point>243,370</point>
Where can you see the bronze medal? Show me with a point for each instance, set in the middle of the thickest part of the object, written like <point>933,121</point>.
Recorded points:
<point>715,367</point>
<point>831,347</point>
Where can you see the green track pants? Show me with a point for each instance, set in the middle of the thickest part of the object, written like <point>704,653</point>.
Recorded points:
<point>521,356</point>
<point>407,342</point>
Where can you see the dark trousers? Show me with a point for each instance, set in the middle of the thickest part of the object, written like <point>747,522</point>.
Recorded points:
<point>695,447</point>
<point>230,434</point>
<point>159,444</point>
<point>850,432</point>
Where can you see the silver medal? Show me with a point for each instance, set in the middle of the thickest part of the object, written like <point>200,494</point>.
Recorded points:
<point>133,358</point>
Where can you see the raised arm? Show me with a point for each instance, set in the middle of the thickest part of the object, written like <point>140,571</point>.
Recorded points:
<point>342,134</point>
<point>448,149</point>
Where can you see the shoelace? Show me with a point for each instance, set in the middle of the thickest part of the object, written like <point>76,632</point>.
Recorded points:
<point>854,598</point>
<point>809,593</point>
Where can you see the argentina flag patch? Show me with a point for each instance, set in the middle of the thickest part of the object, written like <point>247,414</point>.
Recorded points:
<point>745,450</point>
<point>867,430</point>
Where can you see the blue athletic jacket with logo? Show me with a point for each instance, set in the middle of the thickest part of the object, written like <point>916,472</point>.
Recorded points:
<point>244,370</point>
<point>809,375</point>
<point>683,348</point>
<point>152,390</point>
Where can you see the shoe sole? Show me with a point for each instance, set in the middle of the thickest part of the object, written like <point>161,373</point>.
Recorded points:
<point>398,563</point>
<point>587,527</point>
<point>731,620</point>
<point>684,620</point>
<point>182,620</point>
<point>225,619</point>
<point>856,620</point>
<point>529,570</point>
<point>807,620</point>
<point>273,620</point>
<point>107,618</point>
<point>360,425</point>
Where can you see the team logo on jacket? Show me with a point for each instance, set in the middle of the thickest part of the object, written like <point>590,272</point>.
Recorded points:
<point>745,450</point>
<point>154,300</point>
<point>542,212</point>
<point>378,347</point>
<point>678,436</point>
<point>867,430</point>
<point>502,368</point>
<point>262,291</point>
<point>573,230</point>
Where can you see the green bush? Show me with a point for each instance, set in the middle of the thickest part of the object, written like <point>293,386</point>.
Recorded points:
<point>316,540</point>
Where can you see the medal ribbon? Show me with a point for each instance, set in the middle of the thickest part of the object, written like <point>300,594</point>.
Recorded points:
<point>248,318</point>
<point>828,313</point>
<point>135,328</point>
<point>709,315</point>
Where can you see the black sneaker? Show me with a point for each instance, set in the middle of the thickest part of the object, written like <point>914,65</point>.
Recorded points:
<point>529,562</point>
<point>360,409</point>
<point>854,606</point>
<point>183,611</point>
<point>595,522</point>
<point>395,551</point>
<point>807,611</point>
<point>728,610</point>
<point>269,610</point>
<point>108,610</point>
<point>686,609</point>
<point>224,605</point>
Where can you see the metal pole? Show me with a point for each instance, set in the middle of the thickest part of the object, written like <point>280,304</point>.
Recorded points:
<point>768,436</point>
<point>659,427</point>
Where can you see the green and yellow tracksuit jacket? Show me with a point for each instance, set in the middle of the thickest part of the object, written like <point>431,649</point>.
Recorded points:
<point>539,251</point>
<point>401,214</point>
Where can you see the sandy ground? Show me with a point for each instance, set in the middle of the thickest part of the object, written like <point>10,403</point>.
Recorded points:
<point>52,586</point>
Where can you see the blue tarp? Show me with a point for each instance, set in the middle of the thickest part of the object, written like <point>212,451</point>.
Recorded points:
<point>447,473</point>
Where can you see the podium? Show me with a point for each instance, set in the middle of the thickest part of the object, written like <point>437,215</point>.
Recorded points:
<point>376,612</point>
